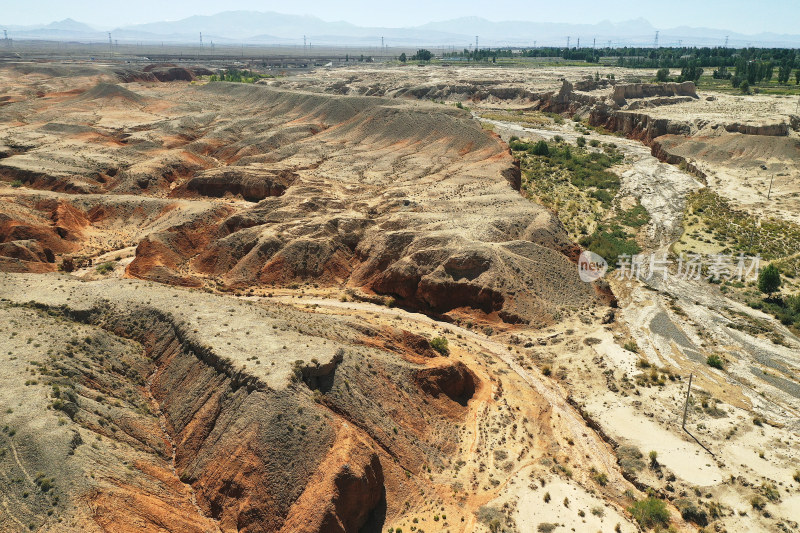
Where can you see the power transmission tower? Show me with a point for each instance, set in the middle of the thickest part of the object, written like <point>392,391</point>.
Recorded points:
<point>476,43</point>
<point>382,48</point>
<point>567,42</point>
<point>655,42</point>
<point>579,43</point>
<point>594,43</point>
<point>110,43</point>
<point>726,41</point>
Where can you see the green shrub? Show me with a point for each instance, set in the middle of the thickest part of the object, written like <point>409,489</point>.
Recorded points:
<point>539,148</point>
<point>631,346</point>
<point>691,512</point>
<point>630,458</point>
<point>650,513</point>
<point>758,502</point>
<point>715,361</point>
<point>653,458</point>
<point>105,268</point>
<point>440,344</point>
<point>16,183</point>
<point>610,243</point>
<point>601,478</point>
<point>769,280</point>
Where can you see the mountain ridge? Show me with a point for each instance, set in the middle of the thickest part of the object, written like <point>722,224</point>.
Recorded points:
<point>264,27</point>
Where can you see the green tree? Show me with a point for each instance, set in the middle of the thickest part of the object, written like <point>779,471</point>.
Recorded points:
<point>539,148</point>
<point>745,87</point>
<point>422,55</point>
<point>769,280</point>
<point>662,75</point>
<point>403,57</point>
<point>797,77</point>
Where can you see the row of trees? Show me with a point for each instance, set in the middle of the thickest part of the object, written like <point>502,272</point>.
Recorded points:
<point>690,72</point>
<point>236,75</point>
<point>646,57</point>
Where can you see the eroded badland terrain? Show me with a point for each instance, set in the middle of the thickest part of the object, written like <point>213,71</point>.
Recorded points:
<point>348,300</point>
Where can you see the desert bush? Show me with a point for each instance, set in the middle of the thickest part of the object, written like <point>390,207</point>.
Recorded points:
<point>440,344</point>
<point>757,502</point>
<point>105,268</point>
<point>653,458</point>
<point>631,346</point>
<point>601,478</point>
<point>691,512</point>
<point>714,361</point>
<point>650,513</point>
<point>630,458</point>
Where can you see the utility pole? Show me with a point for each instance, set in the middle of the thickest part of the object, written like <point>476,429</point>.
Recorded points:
<point>769,193</point>
<point>686,405</point>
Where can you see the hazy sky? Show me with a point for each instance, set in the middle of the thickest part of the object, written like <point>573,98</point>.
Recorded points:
<point>743,16</point>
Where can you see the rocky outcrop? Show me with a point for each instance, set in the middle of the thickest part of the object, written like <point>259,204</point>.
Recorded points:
<point>26,256</point>
<point>657,102</point>
<point>662,154</point>
<point>637,125</point>
<point>774,130</point>
<point>454,381</point>
<point>365,211</point>
<point>624,92</point>
<point>566,100</point>
<point>251,185</point>
<point>260,453</point>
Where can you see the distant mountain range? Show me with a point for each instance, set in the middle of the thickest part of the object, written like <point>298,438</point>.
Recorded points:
<point>252,27</point>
